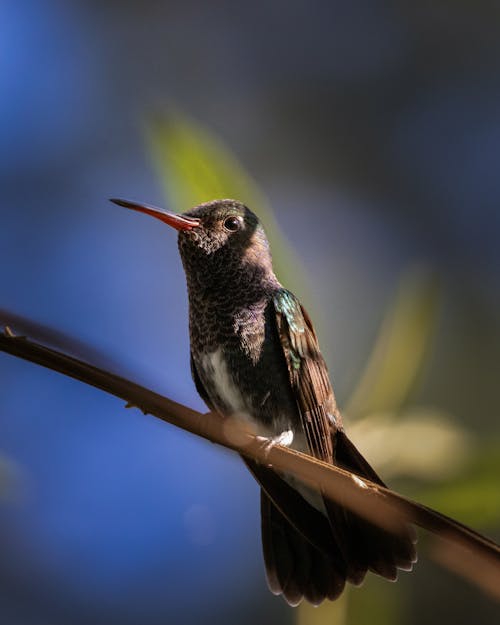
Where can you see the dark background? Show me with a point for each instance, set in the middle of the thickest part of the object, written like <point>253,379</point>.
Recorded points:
<point>373,128</point>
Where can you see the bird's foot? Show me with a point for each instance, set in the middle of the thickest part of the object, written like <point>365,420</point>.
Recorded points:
<point>284,439</point>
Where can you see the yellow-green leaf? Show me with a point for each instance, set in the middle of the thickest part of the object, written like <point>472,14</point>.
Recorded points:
<point>328,613</point>
<point>421,443</point>
<point>474,498</point>
<point>399,353</point>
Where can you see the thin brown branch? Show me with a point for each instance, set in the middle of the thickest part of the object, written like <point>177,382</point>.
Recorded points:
<point>379,505</point>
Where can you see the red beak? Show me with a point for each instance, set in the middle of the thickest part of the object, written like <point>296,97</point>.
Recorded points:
<point>179,222</point>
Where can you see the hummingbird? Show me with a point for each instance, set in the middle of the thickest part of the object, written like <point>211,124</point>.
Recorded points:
<point>255,356</point>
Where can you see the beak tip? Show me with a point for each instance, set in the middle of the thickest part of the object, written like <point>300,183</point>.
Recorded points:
<point>120,202</point>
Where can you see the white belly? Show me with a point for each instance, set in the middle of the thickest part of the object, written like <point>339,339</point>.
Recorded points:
<point>215,368</point>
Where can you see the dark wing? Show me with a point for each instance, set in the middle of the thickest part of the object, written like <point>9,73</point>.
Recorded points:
<point>360,545</point>
<point>308,375</point>
<point>320,419</point>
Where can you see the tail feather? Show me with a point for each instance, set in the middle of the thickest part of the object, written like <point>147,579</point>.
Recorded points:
<point>310,555</point>
<point>296,568</point>
<point>283,573</point>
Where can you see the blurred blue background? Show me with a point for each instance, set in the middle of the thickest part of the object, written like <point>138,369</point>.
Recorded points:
<point>374,130</point>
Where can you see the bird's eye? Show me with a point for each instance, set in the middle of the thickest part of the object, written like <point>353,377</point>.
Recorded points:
<point>232,223</point>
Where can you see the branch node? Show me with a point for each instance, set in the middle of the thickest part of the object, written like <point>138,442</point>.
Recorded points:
<point>129,404</point>
<point>7,331</point>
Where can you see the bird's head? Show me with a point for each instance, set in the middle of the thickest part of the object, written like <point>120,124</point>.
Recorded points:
<point>216,239</point>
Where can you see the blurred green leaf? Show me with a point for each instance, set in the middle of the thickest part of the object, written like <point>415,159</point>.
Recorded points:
<point>421,443</point>
<point>195,166</point>
<point>378,602</point>
<point>331,613</point>
<point>399,353</point>
<point>475,498</point>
